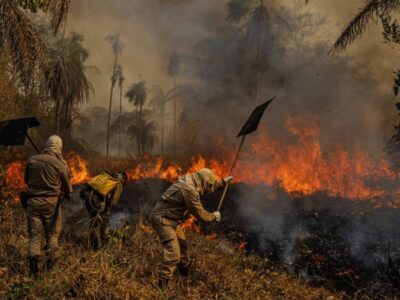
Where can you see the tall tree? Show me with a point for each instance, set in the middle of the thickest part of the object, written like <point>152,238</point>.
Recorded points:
<point>158,100</point>
<point>66,79</point>
<point>137,95</point>
<point>258,35</point>
<point>20,35</point>
<point>121,79</point>
<point>116,45</point>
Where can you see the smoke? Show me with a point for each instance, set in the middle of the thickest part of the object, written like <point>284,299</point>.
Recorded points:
<point>349,94</point>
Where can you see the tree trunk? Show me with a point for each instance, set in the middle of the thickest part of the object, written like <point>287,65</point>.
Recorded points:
<point>119,124</point>
<point>57,108</point>
<point>109,109</point>
<point>140,130</point>
<point>174,148</point>
<point>137,133</point>
<point>258,86</point>
<point>162,129</point>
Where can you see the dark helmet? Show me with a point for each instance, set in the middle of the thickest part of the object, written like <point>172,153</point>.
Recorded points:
<point>125,177</point>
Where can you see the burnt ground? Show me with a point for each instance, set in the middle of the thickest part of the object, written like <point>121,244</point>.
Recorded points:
<point>341,244</point>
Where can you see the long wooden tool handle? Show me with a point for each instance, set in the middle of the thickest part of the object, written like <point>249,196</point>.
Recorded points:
<point>33,143</point>
<point>230,172</point>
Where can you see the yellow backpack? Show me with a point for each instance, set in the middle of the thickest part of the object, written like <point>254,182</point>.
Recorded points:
<point>104,183</point>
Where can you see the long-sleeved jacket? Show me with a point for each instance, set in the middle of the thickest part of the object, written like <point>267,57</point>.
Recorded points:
<point>46,175</point>
<point>177,200</point>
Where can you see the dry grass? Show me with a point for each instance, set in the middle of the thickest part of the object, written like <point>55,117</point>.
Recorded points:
<point>128,269</point>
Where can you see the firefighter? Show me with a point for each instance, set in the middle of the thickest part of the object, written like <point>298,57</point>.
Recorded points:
<point>177,201</point>
<point>101,194</point>
<point>47,178</point>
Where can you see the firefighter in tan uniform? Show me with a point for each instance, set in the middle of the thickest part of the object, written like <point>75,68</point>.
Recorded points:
<point>101,194</point>
<point>178,200</point>
<point>47,178</point>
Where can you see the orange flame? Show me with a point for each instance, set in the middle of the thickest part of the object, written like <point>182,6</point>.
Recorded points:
<point>242,245</point>
<point>15,175</point>
<point>301,167</point>
<point>191,224</point>
<point>78,169</point>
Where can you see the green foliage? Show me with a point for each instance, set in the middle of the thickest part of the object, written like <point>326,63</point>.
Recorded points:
<point>34,5</point>
<point>66,78</point>
<point>391,34</point>
<point>370,12</point>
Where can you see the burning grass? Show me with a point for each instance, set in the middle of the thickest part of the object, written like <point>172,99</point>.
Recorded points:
<point>127,269</point>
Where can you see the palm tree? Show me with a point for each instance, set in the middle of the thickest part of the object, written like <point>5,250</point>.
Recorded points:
<point>66,79</point>
<point>21,36</point>
<point>116,45</point>
<point>157,102</point>
<point>137,95</point>
<point>121,79</point>
<point>371,11</point>
<point>146,134</point>
<point>258,34</point>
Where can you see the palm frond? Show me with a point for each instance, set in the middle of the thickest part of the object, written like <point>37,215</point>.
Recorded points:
<point>137,93</point>
<point>58,10</point>
<point>370,12</point>
<point>20,35</point>
<point>116,43</point>
<point>238,10</point>
<point>121,77</point>
<point>66,78</point>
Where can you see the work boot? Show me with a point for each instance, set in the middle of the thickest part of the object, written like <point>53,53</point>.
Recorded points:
<point>184,270</point>
<point>163,283</point>
<point>33,266</point>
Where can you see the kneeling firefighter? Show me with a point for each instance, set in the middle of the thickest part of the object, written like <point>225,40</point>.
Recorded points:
<point>178,200</point>
<point>101,194</point>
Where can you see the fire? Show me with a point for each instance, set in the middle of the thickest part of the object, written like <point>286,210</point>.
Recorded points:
<point>191,224</point>
<point>159,169</point>
<point>15,175</point>
<point>242,245</point>
<point>78,169</point>
<point>300,167</point>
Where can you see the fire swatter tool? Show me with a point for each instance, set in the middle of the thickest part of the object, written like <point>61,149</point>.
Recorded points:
<point>250,126</point>
<point>15,131</point>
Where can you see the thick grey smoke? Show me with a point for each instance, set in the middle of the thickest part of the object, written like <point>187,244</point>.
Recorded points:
<point>349,95</point>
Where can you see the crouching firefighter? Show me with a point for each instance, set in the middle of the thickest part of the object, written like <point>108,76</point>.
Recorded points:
<point>48,181</point>
<point>178,200</point>
<point>101,194</point>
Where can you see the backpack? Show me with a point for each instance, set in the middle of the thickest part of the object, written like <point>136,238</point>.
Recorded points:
<point>104,183</point>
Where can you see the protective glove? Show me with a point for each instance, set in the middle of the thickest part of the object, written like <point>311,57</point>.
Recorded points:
<point>217,215</point>
<point>228,179</point>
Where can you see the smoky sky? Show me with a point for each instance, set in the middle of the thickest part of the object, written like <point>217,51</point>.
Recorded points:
<point>152,30</point>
